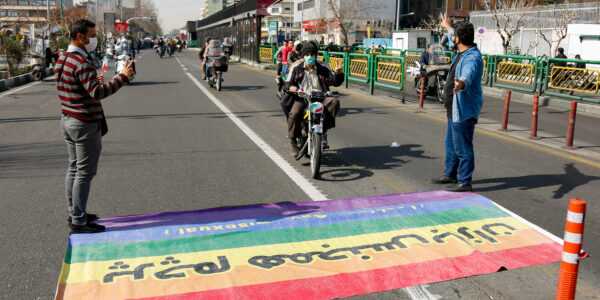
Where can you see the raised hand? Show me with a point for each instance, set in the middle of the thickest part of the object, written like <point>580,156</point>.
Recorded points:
<point>338,68</point>
<point>128,69</point>
<point>444,22</point>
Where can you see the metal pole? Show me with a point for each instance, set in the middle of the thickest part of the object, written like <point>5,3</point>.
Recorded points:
<point>61,18</point>
<point>396,15</point>
<point>48,18</point>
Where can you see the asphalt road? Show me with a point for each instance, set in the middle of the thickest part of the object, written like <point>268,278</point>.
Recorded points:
<point>169,148</point>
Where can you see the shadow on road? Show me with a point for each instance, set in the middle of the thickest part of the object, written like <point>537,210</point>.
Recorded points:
<point>344,111</point>
<point>349,164</point>
<point>141,83</point>
<point>239,88</point>
<point>18,160</point>
<point>256,212</point>
<point>566,182</point>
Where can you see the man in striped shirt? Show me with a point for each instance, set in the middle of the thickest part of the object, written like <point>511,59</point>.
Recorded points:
<point>80,91</point>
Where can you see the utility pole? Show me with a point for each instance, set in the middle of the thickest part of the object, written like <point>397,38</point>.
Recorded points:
<point>48,18</point>
<point>61,18</point>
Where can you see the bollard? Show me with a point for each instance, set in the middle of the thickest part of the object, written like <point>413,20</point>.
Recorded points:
<point>571,129</point>
<point>569,267</point>
<point>534,118</point>
<point>422,92</point>
<point>505,115</point>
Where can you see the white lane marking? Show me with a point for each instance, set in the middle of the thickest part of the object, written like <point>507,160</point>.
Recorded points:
<point>537,228</point>
<point>420,292</point>
<point>305,185</point>
<point>12,91</point>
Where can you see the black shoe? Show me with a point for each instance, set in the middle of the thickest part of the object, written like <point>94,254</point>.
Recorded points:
<point>87,228</point>
<point>293,149</point>
<point>325,143</point>
<point>90,218</point>
<point>463,187</point>
<point>444,180</point>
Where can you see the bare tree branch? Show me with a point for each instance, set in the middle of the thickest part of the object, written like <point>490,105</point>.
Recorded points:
<point>509,17</point>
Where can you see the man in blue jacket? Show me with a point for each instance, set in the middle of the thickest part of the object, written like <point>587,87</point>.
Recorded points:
<point>463,103</point>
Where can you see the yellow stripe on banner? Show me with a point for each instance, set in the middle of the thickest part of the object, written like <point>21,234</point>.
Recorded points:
<point>101,270</point>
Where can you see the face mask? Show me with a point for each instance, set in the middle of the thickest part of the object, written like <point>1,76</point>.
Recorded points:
<point>310,60</point>
<point>92,45</point>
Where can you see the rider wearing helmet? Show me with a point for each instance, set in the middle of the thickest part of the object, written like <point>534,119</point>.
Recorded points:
<point>311,76</point>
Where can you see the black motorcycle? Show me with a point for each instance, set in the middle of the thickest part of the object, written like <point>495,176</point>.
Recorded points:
<point>217,66</point>
<point>436,73</point>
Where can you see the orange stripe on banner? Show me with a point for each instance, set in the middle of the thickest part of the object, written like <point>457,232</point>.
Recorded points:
<point>243,275</point>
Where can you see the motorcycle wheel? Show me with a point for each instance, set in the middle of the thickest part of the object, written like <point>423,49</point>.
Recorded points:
<point>210,82</point>
<point>219,81</point>
<point>315,155</point>
<point>440,91</point>
<point>37,75</point>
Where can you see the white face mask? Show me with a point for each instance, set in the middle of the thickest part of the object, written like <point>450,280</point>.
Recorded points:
<point>92,45</point>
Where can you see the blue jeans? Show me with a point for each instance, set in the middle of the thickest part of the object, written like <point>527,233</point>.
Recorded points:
<point>460,158</point>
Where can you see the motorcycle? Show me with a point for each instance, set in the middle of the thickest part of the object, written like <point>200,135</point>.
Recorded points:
<point>38,70</point>
<point>217,65</point>
<point>436,73</point>
<point>313,140</point>
<point>170,50</point>
<point>179,47</point>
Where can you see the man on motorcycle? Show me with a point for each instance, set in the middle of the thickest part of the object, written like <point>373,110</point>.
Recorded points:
<point>213,49</point>
<point>424,62</point>
<point>309,76</point>
<point>201,56</point>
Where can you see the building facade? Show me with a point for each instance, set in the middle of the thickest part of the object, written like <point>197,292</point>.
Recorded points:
<point>282,14</point>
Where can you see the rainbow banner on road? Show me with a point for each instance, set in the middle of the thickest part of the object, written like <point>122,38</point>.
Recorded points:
<point>312,250</point>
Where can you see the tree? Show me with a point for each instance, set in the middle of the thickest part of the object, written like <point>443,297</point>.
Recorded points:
<point>345,12</point>
<point>508,16</point>
<point>561,18</point>
<point>434,24</point>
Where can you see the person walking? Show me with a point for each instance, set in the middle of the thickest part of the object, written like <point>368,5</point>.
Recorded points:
<point>83,124</point>
<point>463,105</point>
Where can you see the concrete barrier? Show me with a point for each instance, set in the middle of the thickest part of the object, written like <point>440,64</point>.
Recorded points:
<point>3,86</point>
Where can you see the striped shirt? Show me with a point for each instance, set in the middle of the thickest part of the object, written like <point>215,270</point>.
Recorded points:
<point>78,88</point>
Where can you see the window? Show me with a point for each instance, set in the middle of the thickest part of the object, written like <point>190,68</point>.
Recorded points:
<point>299,6</point>
<point>421,43</point>
<point>309,4</point>
<point>274,9</point>
<point>458,4</point>
<point>287,8</point>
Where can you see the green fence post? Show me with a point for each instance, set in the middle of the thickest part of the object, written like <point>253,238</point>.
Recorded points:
<point>346,68</point>
<point>274,51</point>
<point>373,73</point>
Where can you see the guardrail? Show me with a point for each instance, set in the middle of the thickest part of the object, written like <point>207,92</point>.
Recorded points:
<point>512,72</point>
<point>267,54</point>
<point>572,80</point>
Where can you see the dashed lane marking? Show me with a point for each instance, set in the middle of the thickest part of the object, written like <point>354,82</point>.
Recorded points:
<point>303,183</point>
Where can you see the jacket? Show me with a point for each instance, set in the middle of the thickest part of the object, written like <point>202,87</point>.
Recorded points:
<point>467,102</point>
<point>327,77</point>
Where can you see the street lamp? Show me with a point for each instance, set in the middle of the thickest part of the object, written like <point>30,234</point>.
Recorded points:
<point>399,16</point>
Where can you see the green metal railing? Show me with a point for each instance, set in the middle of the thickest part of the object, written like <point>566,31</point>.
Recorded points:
<point>389,69</point>
<point>569,80</point>
<point>521,71</point>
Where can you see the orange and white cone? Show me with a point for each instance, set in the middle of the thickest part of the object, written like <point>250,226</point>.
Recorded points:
<point>569,267</point>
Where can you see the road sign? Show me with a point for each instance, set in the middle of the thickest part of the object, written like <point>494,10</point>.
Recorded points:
<point>121,27</point>
<point>480,30</point>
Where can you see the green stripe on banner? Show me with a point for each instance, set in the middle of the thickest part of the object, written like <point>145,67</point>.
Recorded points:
<point>112,251</point>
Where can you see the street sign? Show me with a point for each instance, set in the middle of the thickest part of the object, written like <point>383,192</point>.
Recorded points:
<point>273,27</point>
<point>109,21</point>
<point>121,27</point>
<point>480,30</point>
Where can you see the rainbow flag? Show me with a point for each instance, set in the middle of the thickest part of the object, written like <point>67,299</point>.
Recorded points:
<point>312,250</point>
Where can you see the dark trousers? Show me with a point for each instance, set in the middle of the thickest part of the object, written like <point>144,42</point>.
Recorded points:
<point>460,158</point>
<point>297,113</point>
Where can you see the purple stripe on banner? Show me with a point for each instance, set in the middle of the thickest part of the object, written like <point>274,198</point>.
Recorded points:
<point>286,209</point>
<point>315,219</point>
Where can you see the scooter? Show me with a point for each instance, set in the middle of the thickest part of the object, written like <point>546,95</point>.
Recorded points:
<point>38,70</point>
<point>436,73</point>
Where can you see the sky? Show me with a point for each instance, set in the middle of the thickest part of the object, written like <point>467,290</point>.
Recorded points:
<point>175,13</point>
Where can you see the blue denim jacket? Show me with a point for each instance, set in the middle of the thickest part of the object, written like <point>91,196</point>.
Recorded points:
<point>467,102</point>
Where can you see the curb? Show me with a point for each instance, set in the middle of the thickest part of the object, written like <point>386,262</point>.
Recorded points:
<point>13,82</point>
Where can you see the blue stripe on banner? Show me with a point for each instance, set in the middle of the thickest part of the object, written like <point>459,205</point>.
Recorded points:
<point>274,223</point>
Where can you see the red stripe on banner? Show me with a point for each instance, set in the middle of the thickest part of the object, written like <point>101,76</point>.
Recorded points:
<point>359,283</point>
